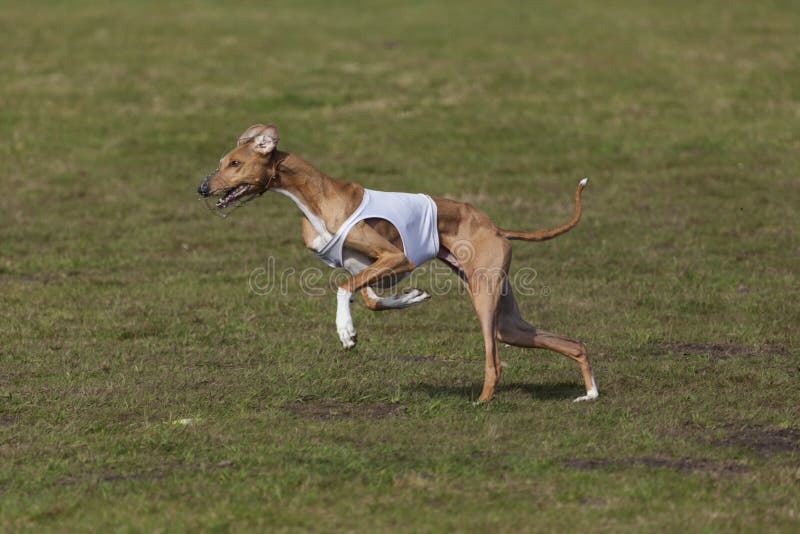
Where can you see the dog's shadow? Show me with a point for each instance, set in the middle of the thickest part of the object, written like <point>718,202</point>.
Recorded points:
<point>547,391</point>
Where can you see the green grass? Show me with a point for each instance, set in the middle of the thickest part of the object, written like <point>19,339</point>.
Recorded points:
<point>125,304</point>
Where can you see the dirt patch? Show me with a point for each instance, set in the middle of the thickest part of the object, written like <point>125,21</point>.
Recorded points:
<point>325,409</point>
<point>114,477</point>
<point>46,276</point>
<point>153,474</point>
<point>592,501</point>
<point>7,420</point>
<point>719,351</point>
<point>680,464</point>
<point>415,358</point>
<point>144,475</point>
<point>761,439</point>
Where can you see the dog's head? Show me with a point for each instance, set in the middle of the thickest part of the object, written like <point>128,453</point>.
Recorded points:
<point>246,171</point>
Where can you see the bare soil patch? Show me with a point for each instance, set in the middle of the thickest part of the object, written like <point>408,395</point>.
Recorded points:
<point>326,409</point>
<point>152,474</point>
<point>687,464</point>
<point>761,439</point>
<point>415,358</point>
<point>144,475</point>
<point>721,350</point>
<point>114,477</point>
<point>7,420</point>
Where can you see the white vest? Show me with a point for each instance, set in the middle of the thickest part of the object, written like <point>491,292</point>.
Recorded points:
<point>414,216</point>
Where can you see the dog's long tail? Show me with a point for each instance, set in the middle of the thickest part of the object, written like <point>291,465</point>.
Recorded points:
<point>544,235</point>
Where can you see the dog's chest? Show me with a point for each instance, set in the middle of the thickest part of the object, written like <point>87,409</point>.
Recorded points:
<point>323,236</point>
<point>317,236</point>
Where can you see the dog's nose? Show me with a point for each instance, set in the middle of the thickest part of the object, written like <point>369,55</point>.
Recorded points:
<point>203,189</point>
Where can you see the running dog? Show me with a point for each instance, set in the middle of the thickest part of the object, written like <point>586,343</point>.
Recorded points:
<point>380,237</point>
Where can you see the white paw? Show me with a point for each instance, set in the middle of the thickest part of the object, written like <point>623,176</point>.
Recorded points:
<point>590,395</point>
<point>347,334</point>
<point>344,321</point>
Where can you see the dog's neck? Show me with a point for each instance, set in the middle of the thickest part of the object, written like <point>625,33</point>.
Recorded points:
<point>325,202</point>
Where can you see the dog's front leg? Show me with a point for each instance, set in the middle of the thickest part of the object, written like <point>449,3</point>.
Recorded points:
<point>344,321</point>
<point>389,263</point>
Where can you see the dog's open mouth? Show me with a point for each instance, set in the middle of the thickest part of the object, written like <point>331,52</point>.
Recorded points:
<point>232,195</point>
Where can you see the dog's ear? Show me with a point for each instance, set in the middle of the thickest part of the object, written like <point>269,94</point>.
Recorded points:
<point>266,141</point>
<point>250,133</point>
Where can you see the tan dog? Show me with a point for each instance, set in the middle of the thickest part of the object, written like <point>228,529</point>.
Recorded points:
<point>470,244</point>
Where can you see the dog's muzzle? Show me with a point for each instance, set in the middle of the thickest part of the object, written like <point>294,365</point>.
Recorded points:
<point>204,190</point>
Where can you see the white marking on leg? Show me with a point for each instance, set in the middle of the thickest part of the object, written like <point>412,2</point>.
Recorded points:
<point>344,321</point>
<point>591,394</point>
<point>584,182</point>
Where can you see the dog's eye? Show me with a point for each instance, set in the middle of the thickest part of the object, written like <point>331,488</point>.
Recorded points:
<point>234,163</point>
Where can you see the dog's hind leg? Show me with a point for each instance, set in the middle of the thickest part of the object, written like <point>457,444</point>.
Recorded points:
<point>485,303</point>
<point>393,302</point>
<point>485,285</point>
<point>514,330</point>
<point>355,262</point>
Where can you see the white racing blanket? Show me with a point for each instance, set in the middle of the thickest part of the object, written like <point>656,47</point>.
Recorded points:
<point>414,216</point>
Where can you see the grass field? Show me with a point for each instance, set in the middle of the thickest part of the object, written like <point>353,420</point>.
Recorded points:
<point>126,306</point>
